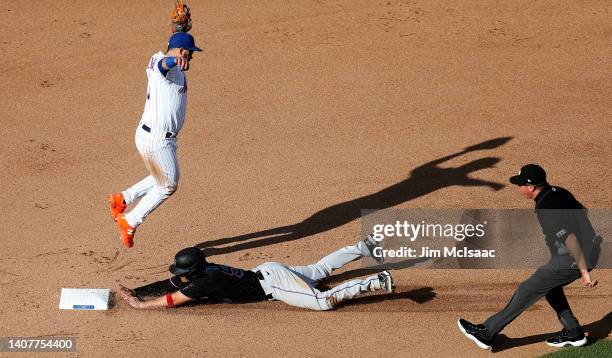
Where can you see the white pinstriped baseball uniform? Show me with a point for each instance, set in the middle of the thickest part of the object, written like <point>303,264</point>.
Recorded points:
<point>163,116</point>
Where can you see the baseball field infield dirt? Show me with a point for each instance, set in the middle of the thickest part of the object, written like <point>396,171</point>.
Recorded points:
<point>300,113</point>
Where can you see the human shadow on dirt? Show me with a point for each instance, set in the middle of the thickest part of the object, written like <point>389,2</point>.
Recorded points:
<point>423,180</point>
<point>160,288</point>
<point>595,331</point>
<point>419,295</point>
<point>365,271</point>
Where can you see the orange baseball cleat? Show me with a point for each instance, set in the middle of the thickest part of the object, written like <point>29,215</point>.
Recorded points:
<point>117,205</point>
<point>127,232</point>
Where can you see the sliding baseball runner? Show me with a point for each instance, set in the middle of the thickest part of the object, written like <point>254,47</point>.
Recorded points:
<point>197,279</point>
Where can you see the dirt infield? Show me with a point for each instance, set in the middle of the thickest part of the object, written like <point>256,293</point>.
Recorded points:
<point>300,114</point>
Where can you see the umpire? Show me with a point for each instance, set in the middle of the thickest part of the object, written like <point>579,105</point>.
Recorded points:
<point>574,252</point>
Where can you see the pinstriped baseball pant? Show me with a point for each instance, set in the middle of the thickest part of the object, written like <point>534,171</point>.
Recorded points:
<point>159,156</point>
<point>295,285</point>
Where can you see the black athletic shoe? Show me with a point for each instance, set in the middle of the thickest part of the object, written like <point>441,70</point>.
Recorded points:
<point>386,281</point>
<point>565,340</point>
<point>476,332</point>
<point>371,244</point>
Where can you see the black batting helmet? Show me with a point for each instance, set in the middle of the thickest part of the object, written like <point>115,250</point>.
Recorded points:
<point>188,261</point>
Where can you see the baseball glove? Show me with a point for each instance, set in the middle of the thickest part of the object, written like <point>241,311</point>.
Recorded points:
<point>181,17</point>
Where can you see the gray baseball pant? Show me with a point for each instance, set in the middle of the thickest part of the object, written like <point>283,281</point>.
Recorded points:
<point>547,281</point>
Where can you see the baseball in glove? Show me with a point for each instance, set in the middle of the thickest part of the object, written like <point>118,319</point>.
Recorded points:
<point>181,17</point>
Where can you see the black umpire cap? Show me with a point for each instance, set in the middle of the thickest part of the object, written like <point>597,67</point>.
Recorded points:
<point>188,261</point>
<point>530,174</point>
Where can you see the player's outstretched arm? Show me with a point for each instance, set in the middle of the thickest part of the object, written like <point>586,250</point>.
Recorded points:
<point>169,300</point>
<point>167,63</point>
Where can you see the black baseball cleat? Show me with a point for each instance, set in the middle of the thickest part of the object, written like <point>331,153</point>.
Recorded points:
<point>476,332</point>
<point>566,340</point>
<point>386,281</point>
<point>371,244</point>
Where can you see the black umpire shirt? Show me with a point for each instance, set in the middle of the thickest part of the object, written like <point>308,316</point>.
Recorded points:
<point>560,215</point>
<point>224,284</point>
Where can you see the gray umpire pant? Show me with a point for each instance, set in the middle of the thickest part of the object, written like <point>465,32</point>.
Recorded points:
<point>548,281</point>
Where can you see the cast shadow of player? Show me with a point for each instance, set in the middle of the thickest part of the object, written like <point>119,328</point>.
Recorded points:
<point>423,180</point>
<point>595,331</point>
<point>163,287</point>
<point>419,295</point>
<point>376,268</point>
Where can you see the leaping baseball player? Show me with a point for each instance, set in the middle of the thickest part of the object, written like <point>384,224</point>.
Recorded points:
<point>161,122</point>
<point>197,279</point>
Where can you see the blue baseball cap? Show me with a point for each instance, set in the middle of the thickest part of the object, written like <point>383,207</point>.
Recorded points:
<point>182,40</point>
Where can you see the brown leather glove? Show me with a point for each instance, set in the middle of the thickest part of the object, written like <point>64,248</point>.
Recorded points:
<point>181,17</point>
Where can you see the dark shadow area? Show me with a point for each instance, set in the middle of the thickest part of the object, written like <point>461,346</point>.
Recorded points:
<point>155,289</point>
<point>599,329</point>
<point>160,288</point>
<point>366,271</point>
<point>420,296</point>
<point>112,300</point>
<point>423,180</point>
<point>595,331</point>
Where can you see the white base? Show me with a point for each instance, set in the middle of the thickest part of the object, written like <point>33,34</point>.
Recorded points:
<point>84,299</point>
